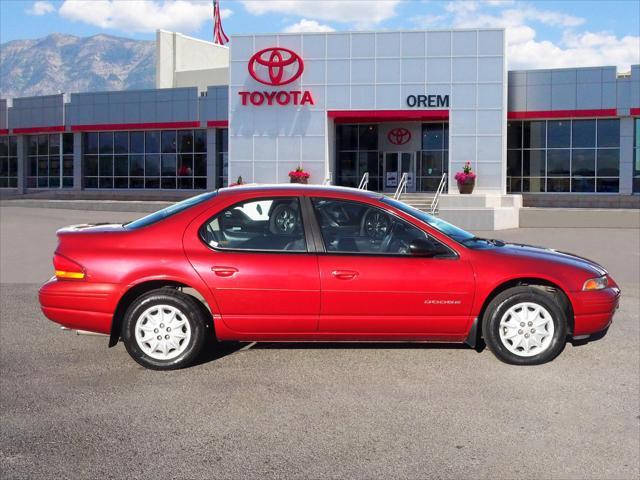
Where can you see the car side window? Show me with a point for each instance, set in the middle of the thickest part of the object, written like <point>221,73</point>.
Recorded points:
<point>353,227</point>
<point>271,224</point>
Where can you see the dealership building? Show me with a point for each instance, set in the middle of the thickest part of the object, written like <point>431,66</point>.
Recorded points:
<point>420,103</point>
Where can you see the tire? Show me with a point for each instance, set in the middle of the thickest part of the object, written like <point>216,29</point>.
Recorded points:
<point>160,315</point>
<point>525,326</point>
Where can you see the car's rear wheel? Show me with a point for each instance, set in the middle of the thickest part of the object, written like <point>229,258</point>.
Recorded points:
<point>164,329</point>
<point>525,326</point>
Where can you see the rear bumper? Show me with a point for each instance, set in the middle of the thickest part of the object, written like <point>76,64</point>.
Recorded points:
<point>79,305</point>
<point>593,311</point>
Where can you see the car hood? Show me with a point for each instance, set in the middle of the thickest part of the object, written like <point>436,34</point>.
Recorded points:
<point>549,254</point>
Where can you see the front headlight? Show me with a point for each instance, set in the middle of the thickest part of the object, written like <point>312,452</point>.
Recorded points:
<point>596,283</point>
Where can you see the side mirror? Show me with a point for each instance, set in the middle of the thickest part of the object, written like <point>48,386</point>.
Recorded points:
<point>423,247</point>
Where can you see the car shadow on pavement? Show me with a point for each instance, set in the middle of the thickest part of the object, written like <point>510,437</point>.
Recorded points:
<point>219,350</point>
<point>358,346</point>
<point>594,337</point>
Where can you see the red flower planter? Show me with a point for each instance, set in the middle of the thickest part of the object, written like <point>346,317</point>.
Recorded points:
<point>467,187</point>
<point>466,179</point>
<point>299,176</point>
<point>298,180</point>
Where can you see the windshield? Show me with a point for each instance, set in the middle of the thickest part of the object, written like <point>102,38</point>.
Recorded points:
<point>170,210</point>
<point>449,230</point>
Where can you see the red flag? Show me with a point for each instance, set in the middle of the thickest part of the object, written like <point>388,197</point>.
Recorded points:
<point>219,36</point>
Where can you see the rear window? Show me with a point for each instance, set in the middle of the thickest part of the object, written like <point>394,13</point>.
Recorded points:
<point>170,210</point>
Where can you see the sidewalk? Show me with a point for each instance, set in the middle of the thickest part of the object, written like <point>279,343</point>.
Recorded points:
<point>579,218</point>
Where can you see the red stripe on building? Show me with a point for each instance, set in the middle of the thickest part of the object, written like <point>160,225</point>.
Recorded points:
<point>4,131</point>
<point>218,123</point>
<point>56,129</point>
<point>541,114</point>
<point>134,126</point>
<point>348,116</point>
<point>635,112</point>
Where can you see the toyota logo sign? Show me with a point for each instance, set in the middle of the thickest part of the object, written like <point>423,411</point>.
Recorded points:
<point>399,136</point>
<point>276,66</point>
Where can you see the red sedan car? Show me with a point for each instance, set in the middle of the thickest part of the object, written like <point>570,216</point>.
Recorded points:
<point>310,263</point>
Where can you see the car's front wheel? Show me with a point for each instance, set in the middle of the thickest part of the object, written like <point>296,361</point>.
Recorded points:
<point>164,329</point>
<point>525,326</point>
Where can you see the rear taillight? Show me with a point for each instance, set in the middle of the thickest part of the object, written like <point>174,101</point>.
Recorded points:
<point>67,269</point>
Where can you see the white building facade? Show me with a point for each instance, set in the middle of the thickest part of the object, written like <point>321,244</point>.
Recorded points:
<point>444,92</point>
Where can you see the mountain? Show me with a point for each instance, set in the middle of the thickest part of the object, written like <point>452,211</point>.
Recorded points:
<point>66,63</point>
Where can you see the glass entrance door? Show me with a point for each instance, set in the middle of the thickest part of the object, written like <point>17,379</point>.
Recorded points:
<point>395,164</point>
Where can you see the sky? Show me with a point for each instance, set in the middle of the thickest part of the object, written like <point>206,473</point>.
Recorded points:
<point>540,34</point>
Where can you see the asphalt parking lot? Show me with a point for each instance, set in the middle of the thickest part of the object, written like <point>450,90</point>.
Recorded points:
<point>71,408</point>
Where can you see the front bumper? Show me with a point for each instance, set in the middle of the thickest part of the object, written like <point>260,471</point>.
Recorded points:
<point>593,311</point>
<point>79,305</point>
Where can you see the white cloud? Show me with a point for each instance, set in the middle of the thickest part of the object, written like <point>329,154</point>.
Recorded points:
<point>305,25</point>
<point>499,3</point>
<point>574,49</point>
<point>586,49</point>
<point>471,13</point>
<point>430,20</point>
<point>362,13</point>
<point>141,15</point>
<point>462,8</point>
<point>549,17</point>
<point>40,8</point>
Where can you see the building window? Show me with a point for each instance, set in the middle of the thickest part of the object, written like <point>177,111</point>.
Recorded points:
<point>50,162</point>
<point>357,153</point>
<point>8,162</point>
<point>222,160</point>
<point>636,156</point>
<point>579,156</point>
<point>433,160</point>
<point>167,159</point>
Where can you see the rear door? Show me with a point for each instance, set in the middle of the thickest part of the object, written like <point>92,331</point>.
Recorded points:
<point>372,284</point>
<point>254,257</point>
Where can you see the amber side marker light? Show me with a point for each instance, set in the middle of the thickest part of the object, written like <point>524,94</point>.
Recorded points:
<point>63,274</point>
<point>67,269</point>
<point>596,283</point>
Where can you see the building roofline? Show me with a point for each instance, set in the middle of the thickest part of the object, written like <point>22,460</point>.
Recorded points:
<point>356,32</point>
<point>619,72</point>
<point>207,42</point>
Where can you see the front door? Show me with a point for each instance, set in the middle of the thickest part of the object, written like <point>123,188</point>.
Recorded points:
<point>395,165</point>
<point>371,284</point>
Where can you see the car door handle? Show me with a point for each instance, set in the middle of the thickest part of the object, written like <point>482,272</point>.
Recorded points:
<point>344,274</point>
<point>224,271</point>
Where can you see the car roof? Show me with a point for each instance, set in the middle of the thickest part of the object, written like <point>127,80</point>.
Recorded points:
<point>298,188</point>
